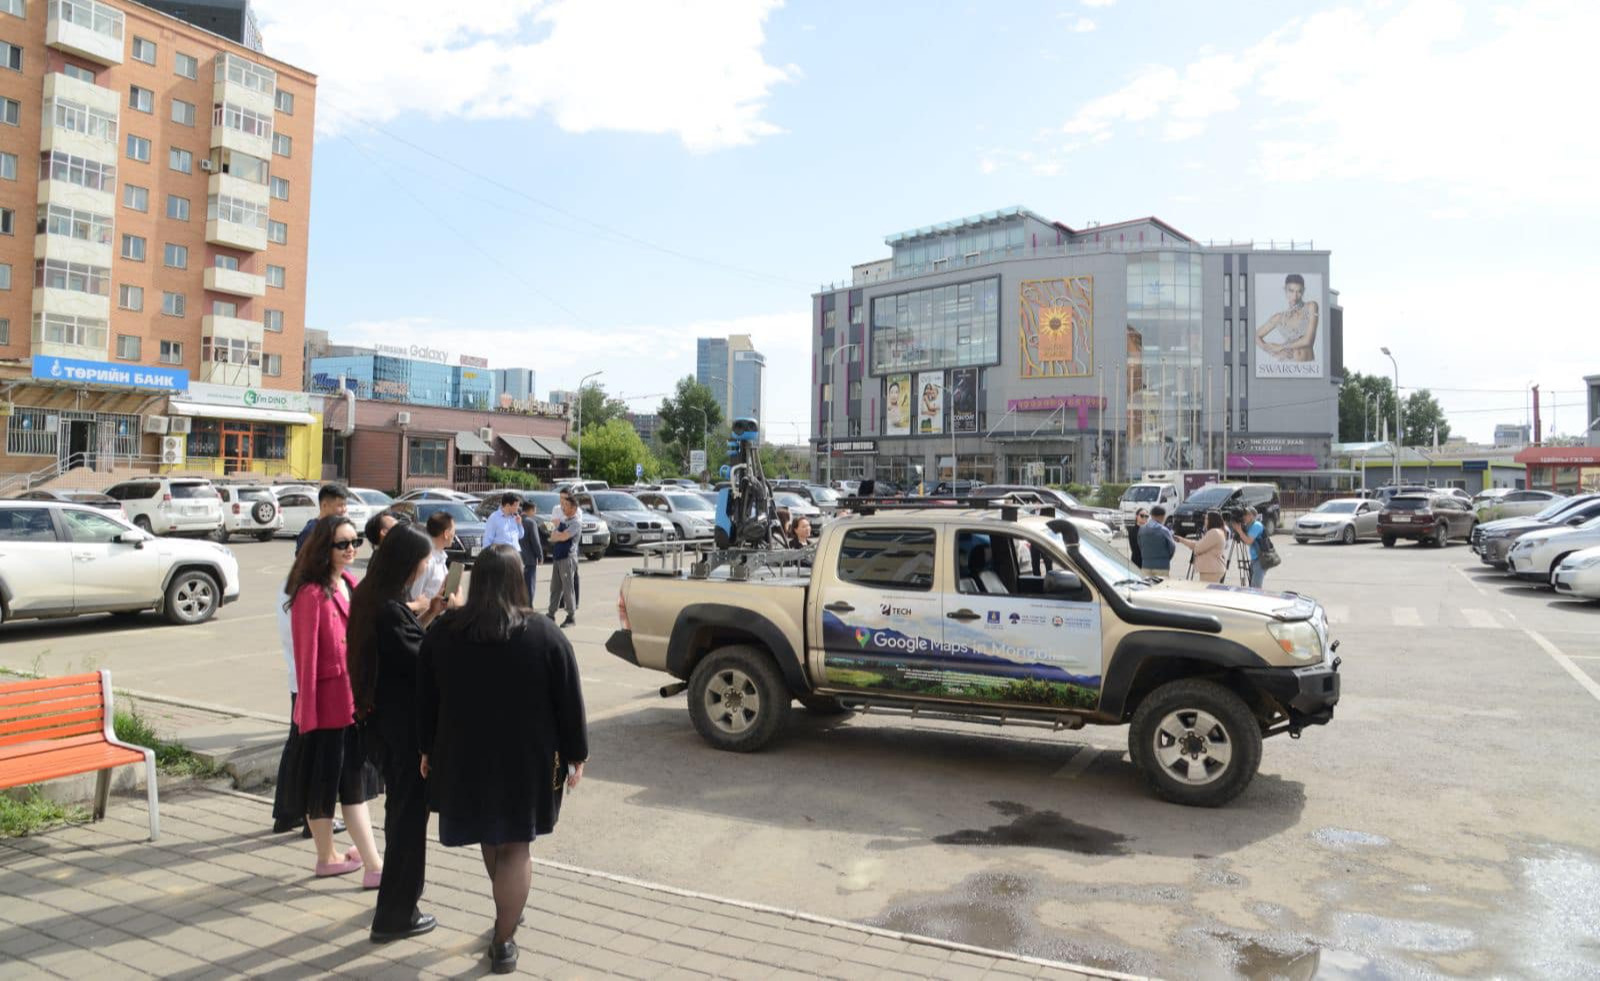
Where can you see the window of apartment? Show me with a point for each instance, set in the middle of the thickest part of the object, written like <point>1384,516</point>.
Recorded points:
<point>171,352</point>
<point>1227,289</point>
<point>10,112</point>
<point>426,457</point>
<point>1244,294</point>
<point>84,225</point>
<point>186,65</point>
<point>226,262</point>
<point>285,102</point>
<point>5,275</point>
<point>272,365</point>
<point>10,56</point>
<point>230,350</point>
<point>58,166</point>
<point>128,347</point>
<point>78,72</point>
<point>246,121</point>
<point>177,207</point>
<point>175,256</point>
<point>59,274</point>
<point>144,50</point>
<point>8,222</point>
<point>183,112</point>
<point>280,188</point>
<point>277,232</point>
<point>5,331</point>
<point>221,207</point>
<point>16,8</point>
<point>143,100</point>
<point>282,145</point>
<point>273,321</point>
<point>133,247</point>
<point>8,166</point>
<point>79,118</point>
<point>135,198</point>
<point>240,165</point>
<point>138,148</point>
<point>130,297</point>
<point>53,328</point>
<point>180,160</point>
<point>1227,335</point>
<point>173,304</point>
<point>275,276</point>
<point>224,308</point>
<point>252,76</point>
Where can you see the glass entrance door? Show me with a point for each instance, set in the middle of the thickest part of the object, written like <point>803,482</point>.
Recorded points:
<point>238,450</point>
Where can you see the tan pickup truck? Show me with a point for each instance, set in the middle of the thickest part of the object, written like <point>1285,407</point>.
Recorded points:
<point>989,616</point>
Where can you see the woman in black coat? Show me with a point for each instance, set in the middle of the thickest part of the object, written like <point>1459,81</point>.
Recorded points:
<point>385,641</point>
<point>502,731</point>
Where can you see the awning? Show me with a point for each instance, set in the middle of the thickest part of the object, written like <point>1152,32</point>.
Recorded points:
<point>557,448</point>
<point>525,447</point>
<point>470,443</point>
<point>240,413</point>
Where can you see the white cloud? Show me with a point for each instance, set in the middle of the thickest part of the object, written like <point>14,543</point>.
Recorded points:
<point>1098,3</point>
<point>1082,25</point>
<point>694,70</point>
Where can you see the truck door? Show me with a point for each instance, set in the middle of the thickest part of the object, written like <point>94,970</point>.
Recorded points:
<point>1006,637</point>
<point>880,615</point>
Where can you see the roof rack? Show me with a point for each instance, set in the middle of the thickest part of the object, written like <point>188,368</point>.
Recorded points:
<point>1010,509</point>
<point>704,557</point>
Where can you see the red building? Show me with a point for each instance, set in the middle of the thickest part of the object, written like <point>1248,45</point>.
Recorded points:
<point>1567,469</point>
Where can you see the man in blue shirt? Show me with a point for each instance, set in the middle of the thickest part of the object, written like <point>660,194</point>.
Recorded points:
<point>1249,532</point>
<point>504,527</point>
<point>1156,545</point>
<point>332,499</point>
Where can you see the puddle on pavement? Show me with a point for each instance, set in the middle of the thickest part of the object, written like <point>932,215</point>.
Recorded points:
<point>1255,961</point>
<point>1561,926</point>
<point>1345,838</point>
<point>1039,829</point>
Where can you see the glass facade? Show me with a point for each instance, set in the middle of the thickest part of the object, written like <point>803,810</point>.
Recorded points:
<point>711,368</point>
<point>943,327</point>
<point>748,367</point>
<point>1164,372</point>
<point>937,253</point>
<point>403,380</point>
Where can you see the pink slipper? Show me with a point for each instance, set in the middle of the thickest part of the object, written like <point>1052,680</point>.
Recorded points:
<point>352,861</point>
<point>371,879</point>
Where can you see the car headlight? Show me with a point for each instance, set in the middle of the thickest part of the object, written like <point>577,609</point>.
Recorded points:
<point>1528,543</point>
<point>1586,562</point>
<point>1298,639</point>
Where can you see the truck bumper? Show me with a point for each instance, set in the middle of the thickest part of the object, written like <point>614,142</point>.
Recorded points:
<point>1308,695</point>
<point>620,643</point>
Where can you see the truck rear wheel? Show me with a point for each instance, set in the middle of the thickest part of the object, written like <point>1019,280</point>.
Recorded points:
<point>1197,743</point>
<point>737,698</point>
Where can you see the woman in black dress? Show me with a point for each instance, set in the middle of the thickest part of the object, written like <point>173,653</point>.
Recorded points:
<point>502,731</point>
<point>385,642</point>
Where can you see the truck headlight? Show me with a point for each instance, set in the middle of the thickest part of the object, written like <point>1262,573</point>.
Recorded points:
<point>1297,638</point>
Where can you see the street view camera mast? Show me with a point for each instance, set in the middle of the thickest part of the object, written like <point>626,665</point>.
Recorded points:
<point>745,516</point>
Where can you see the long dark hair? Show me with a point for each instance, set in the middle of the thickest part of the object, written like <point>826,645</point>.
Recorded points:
<point>388,574</point>
<point>497,603</point>
<point>1213,520</point>
<point>314,564</point>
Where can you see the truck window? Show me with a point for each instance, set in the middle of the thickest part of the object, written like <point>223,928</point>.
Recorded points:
<point>888,558</point>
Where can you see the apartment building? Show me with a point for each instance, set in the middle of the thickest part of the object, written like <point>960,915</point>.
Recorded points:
<point>155,188</point>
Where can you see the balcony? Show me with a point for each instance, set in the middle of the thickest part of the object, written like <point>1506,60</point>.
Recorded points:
<point>80,118</point>
<point>235,282</point>
<point>236,213</point>
<point>86,252</point>
<point>230,351</point>
<point>71,303</point>
<point>86,28</point>
<point>226,185</point>
<point>243,83</point>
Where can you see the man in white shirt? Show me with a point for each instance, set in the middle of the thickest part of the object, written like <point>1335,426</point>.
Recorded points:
<point>442,529</point>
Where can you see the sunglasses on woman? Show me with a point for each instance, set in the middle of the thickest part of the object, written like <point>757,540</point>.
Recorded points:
<point>347,544</point>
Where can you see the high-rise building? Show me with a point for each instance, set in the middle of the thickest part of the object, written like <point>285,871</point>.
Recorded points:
<point>734,371</point>
<point>155,189</point>
<point>517,383</point>
<point>563,396</point>
<point>233,19</point>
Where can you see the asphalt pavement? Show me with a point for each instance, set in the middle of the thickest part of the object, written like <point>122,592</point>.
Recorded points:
<point>1444,823</point>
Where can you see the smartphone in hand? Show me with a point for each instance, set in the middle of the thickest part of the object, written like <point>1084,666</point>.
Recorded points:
<point>452,580</point>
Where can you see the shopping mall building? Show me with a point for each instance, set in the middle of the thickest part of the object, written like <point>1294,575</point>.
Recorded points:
<point>1007,347</point>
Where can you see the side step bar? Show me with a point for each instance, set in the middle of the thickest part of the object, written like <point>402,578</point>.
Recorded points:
<point>1055,722</point>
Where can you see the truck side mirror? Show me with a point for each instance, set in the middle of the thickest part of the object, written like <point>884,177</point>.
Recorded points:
<point>1060,581</point>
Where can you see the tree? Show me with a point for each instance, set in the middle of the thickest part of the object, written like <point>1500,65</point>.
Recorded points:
<point>1425,420</point>
<point>1360,417</point>
<point>612,449</point>
<point>682,421</point>
<point>598,408</point>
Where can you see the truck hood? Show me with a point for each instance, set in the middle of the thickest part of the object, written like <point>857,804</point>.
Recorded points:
<point>1188,596</point>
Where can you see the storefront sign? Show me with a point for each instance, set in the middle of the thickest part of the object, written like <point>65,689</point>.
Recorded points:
<point>843,446</point>
<point>1273,444</point>
<point>1051,403</point>
<point>248,398</point>
<point>52,368</point>
<point>415,351</point>
<point>468,361</point>
<point>1565,456</point>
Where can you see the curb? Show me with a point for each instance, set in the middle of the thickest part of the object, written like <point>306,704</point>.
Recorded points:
<point>913,938</point>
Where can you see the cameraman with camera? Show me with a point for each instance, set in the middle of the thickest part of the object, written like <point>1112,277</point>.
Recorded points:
<point>1247,529</point>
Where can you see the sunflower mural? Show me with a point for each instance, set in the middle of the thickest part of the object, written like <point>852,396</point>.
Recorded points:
<point>1056,327</point>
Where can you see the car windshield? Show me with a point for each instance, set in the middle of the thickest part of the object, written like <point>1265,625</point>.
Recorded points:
<point>689,502</point>
<point>1554,508</point>
<point>1593,524</point>
<point>374,498</point>
<point>1337,507</point>
<point>545,501</point>
<point>1142,492</point>
<point>1210,495</point>
<point>790,501</point>
<point>196,491</point>
<point>823,495</point>
<point>459,512</point>
<point>613,501</point>
<point>1409,504</point>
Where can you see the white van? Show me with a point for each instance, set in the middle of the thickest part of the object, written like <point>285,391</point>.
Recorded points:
<point>1147,496</point>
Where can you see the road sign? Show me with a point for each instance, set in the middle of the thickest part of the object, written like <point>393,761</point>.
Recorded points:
<point>638,471</point>
<point>697,462</point>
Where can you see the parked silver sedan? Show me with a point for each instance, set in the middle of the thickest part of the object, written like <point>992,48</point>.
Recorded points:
<point>1346,520</point>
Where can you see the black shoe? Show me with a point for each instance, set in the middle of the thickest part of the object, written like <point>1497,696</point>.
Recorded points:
<point>420,923</point>
<point>283,826</point>
<point>552,616</point>
<point>305,829</point>
<point>569,622</point>
<point>503,957</point>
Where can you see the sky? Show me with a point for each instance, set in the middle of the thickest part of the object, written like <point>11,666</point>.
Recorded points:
<point>583,185</point>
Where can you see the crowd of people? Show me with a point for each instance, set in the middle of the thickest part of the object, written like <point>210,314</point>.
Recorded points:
<point>1154,545</point>
<point>464,703</point>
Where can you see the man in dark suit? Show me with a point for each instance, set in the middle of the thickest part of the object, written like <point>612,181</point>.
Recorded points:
<point>532,548</point>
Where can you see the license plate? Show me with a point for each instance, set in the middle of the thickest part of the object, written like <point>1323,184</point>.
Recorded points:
<point>588,539</point>
<point>194,509</point>
<point>1401,519</point>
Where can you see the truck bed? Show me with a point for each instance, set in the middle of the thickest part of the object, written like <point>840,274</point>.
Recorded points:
<point>656,602</point>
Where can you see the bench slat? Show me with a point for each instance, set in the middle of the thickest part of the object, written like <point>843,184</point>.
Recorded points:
<point>81,759</point>
<point>46,722</point>
<point>94,725</point>
<point>33,684</point>
<point>49,745</point>
<point>50,708</point>
<point>35,696</point>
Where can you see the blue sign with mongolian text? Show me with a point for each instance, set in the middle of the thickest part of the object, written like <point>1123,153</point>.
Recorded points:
<point>70,370</point>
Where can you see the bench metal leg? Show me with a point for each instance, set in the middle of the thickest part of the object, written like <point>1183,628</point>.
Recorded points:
<point>102,791</point>
<point>150,793</point>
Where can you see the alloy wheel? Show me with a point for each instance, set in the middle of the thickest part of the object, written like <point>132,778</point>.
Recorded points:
<point>732,701</point>
<point>1193,746</point>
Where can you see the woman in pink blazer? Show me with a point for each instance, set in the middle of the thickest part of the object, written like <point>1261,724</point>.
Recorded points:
<point>330,765</point>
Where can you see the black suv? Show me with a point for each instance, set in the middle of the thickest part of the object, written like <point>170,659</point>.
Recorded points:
<point>1189,518</point>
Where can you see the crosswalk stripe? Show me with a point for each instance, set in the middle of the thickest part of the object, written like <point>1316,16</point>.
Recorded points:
<point>1337,615</point>
<point>1406,616</point>
<point>1481,619</point>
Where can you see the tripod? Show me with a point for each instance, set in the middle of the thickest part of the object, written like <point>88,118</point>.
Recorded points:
<point>1228,561</point>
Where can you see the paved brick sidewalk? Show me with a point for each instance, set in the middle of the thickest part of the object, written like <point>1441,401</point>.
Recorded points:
<point>218,896</point>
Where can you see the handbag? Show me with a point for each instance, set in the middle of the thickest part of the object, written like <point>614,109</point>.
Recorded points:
<point>1269,558</point>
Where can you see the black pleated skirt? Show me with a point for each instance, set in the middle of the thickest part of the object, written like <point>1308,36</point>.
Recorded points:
<point>328,767</point>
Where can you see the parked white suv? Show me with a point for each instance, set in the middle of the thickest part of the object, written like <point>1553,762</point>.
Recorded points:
<point>249,509</point>
<point>170,505</point>
<point>61,560</point>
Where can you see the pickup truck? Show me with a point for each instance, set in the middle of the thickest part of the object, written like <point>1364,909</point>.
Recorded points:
<point>991,616</point>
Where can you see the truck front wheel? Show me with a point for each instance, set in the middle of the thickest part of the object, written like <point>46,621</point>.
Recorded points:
<point>737,698</point>
<point>1197,743</point>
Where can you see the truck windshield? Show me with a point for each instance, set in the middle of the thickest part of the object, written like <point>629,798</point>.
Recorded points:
<point>1106,563</point>
<point>1142,492</point>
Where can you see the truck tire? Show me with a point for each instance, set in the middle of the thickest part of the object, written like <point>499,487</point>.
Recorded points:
<point>737,698</point>
<point>1197,743</point>
<point>822,705</point>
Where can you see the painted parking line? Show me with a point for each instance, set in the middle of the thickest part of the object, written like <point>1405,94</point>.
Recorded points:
<point>1589,684</point>
<point>1405,616</point>
<point>1079,764</point>
<point>1481,619</point>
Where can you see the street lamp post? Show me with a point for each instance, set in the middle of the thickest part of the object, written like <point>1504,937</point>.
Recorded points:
<point>593,374</point>
<point>1399,432</point>
<point>831,385</point>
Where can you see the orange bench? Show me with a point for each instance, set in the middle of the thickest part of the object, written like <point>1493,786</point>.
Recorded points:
<point>60,727</point>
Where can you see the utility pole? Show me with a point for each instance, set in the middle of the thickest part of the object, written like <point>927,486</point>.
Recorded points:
<point>578,475</point>
<point>1399,425</point>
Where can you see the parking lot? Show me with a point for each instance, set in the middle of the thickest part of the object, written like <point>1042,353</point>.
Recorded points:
<point>1445,822</point>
